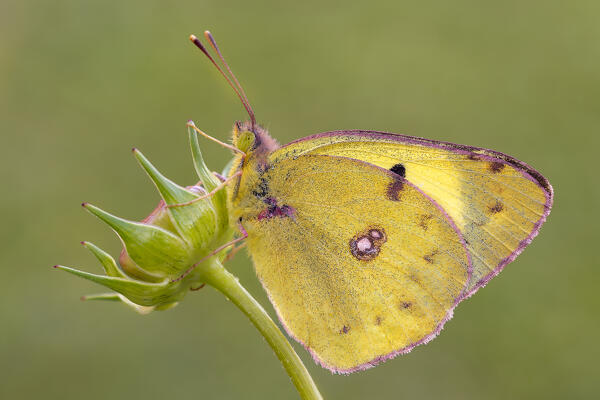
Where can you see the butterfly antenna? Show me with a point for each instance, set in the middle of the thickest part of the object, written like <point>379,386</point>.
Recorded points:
<point>237,91</point>
<point>214,45</point>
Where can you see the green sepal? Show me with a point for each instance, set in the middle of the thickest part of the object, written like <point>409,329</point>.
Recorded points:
<point>161,218</point>
<point>165,306</point>
<point>195,223</point>
<point>102,297</point>
<point>109,263</point>
<point>209,180</point>
<point>122,299</point>
<point>227,168</point>
<point>142,293</point>
<point>159,251</point>
<point>171,192</point>
<point>135,271</point>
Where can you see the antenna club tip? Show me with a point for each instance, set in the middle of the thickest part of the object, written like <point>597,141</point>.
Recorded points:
<point>193,38</point>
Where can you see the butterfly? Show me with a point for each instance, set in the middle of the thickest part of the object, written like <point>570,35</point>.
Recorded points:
<point>366,241</point>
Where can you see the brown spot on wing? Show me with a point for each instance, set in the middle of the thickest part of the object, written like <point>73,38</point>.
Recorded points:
<point>424,222</point>
<point>345,329</point>
<point>365,245</point>
<point>394,189</point>
<point>399,169</point>
<point>413,277</point>
<point>378,320</point>
<point>405,304</point>
<point>496,208</point>
<point>429,257</point>
<point>496,166</point>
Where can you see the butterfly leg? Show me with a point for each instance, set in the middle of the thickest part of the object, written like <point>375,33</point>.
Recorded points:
<point>228,146</point>
<point>211,193</point>
<point>212,253</point>
<point>233,252</point>
<point>197,288</point>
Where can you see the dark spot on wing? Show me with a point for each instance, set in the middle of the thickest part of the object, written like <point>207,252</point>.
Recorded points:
<point>429,257</point>
<point>394,189</point>
<point>399,169</point>
<point>472,154</point>
<point>366,245</point>
<point>496,208</point>
<point>363,248</point>
<point>519,165</point>
<point>405,305</point>
<point>345,329</point>
<point>481,222</point>
<point>274,210</point>
<point>424,222</point>
<point>378,320</point>
<point>376,234</point>
<point>262,189</point>
<point>496,166</point>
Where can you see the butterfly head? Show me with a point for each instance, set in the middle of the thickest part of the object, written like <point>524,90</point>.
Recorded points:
<point>252,138</point>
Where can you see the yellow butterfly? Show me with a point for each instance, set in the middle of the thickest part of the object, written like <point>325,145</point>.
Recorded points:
<point>366,241</point>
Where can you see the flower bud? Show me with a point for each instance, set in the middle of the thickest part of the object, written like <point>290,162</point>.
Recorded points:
<point>153,271</point>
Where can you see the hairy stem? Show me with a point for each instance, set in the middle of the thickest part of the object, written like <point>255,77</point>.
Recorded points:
<point>222,280</point>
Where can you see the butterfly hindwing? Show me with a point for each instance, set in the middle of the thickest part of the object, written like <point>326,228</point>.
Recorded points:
<point>498,203</point>
<point>359,263</point>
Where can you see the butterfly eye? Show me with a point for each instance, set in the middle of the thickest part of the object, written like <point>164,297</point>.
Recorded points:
<point>245,141</point>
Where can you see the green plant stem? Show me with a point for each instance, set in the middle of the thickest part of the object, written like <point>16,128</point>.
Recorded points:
<point>222,280</point>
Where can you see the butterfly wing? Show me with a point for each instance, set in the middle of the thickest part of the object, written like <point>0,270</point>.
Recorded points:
<point>345,259</point>
<point>497,202</point>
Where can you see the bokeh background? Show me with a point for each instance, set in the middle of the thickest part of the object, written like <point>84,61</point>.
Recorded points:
<point>83,82</point>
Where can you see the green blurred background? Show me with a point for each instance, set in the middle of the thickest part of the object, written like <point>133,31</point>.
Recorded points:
<point>81,82</point>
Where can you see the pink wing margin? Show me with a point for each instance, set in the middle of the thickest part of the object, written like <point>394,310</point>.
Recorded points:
<point>485,154</point>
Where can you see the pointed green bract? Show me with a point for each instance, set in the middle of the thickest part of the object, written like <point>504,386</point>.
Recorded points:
<point>142,293</point>
<point>102,297</point>
<point>134,271</point>
<point>157,250</point>
<point>171,192</point>
<point>194,222</point>
<point>160,259</point>
<point>209,180</point>
<point>227,168</point>
<point>122,299</point>
<point>109,263</point>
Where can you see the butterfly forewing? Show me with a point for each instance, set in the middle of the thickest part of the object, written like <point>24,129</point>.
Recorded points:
<point>498,203</point>
<point>358,262</point>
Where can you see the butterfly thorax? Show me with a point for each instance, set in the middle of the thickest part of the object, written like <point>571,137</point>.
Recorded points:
<point>249,195</point>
